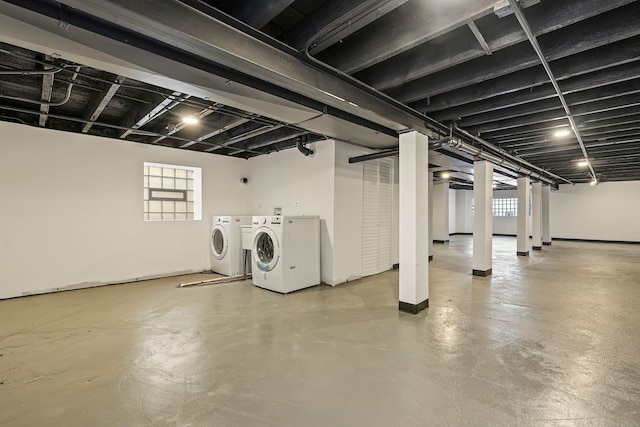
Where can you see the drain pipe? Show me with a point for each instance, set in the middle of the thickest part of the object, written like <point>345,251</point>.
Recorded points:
<point>303,148</point>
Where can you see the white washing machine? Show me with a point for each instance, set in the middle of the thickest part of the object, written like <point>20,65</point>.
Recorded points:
<point>226,244</point>
<point>286,252</point>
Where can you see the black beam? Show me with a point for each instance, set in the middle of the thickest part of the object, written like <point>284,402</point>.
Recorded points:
<point>616,25</point>
<point>258,14</point>
<point>374,156</point>
<point>411,24</point>
<point>601,84</point>
<point>331,15</point>
<point>499,33</point>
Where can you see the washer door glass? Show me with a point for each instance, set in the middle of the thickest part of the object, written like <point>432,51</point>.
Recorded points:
<point>218,242</point>
<point>265,251</point>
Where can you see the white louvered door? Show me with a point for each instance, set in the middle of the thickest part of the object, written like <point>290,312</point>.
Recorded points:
<point>376,216</point>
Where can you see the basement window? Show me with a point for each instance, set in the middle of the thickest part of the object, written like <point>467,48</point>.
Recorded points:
<point>172,192</point>
<point>505,207</point>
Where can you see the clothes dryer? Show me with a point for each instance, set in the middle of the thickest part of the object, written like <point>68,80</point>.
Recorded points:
<point>226,244</point>
<point>286,252</point>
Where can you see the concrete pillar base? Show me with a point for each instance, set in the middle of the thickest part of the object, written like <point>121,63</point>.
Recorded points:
<point>482,273</point>
<point>413,308</point>
<point>537,248</point>
<point>546,243</point>
<point>444,242</point>
<point>523,253</point>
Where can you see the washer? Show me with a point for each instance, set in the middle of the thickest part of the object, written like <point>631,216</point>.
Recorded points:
<point>286,252</point>
<point>226,244</point>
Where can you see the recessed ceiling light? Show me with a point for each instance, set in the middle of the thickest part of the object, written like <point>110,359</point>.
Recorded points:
<point>561,133</point>
<point>190,120</point>
<point>445,175</point>
<point>495,185</point>
<point>594,182</point>
<point>583,163</point>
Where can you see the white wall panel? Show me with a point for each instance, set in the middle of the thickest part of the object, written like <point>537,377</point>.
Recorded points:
<point>72,213</point>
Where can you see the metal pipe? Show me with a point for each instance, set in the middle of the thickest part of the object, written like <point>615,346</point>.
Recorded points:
<point>506,154</point>
<point>107,125</point>
<point>28,72</point>
<point>48,104</point>
<point>517,10</point>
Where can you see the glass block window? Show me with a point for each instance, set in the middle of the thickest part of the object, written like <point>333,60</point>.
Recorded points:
<point>172,193</point>
<point>505,207</point>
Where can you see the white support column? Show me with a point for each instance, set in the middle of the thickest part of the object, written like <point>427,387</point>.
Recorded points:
<point>536,215</point>
<point>414,222</point>
<point>546,226</point>
<point>482,218</point>
<point>523,216</point>
<point>430,216</point>
<point>441,212</point>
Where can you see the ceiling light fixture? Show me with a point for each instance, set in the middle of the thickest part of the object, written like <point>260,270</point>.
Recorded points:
<point>445,175</point>
<point>495,185</point>
<point>190,120</point>
<point>561,133</point>
<point>583,163</point>
<point>594,182</point>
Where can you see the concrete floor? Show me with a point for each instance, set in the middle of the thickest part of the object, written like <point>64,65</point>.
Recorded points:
<point>553,339</point>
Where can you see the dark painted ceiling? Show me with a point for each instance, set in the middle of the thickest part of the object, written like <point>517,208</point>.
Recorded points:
<point>467,64</point>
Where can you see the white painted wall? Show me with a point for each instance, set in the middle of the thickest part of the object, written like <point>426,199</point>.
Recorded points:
<point>300,186</point>
<point>463,214</point>
<point>71,214</point>
<point>607,211</point>
<point>441,211</point>
<point>453,208</point>
<point>504,224</point>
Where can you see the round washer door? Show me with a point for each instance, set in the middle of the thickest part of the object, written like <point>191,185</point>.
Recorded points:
<point>219,241</point>
<point>266,250</point>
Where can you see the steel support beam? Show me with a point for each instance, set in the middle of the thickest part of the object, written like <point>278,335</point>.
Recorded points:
<point>606,83</point>
<point>238,134</point>
<point>412,24</point>
<point>45,96</point>
<point>427,59</point>
<point>616,25</point>
<point>619,53</point>
<point>337,20</point>
<point>230,121</point>
<point>138,120</point>
<point>99,102</point>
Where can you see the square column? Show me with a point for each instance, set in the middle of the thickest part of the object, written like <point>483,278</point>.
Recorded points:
<point>546,226</point>
<point>536,215</point>
<point>482,218</point>
<point>441,212</point>
<point>414,222</point>
<point>430,216</point>
<point>523,216</point>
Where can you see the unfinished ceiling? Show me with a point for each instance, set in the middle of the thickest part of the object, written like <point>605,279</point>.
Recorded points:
<point>504,75</point>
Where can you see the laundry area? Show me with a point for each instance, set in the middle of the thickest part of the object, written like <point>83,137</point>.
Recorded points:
<point>319,212</point>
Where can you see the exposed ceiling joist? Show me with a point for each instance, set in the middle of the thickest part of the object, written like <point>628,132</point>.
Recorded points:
<point>99,103</point>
